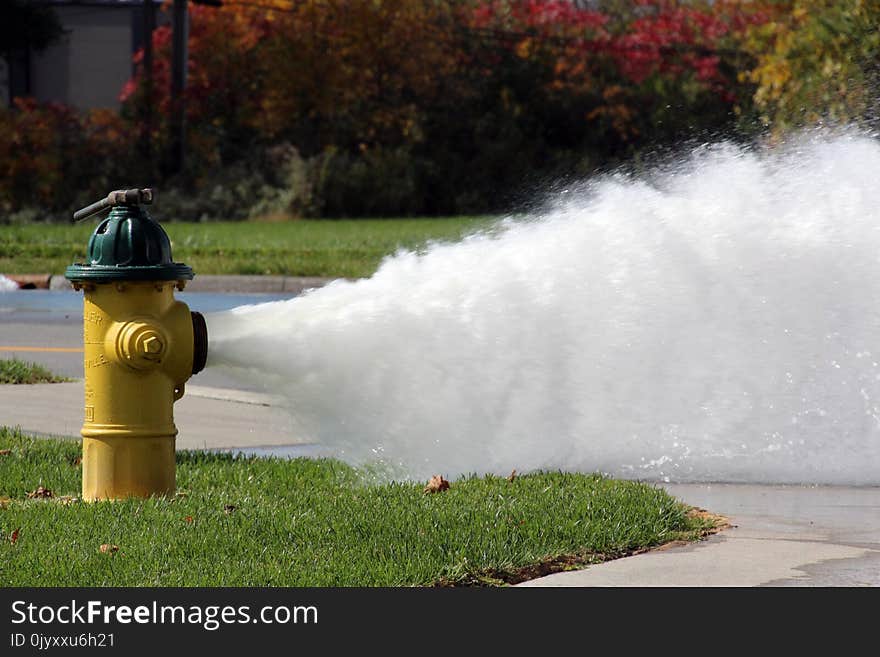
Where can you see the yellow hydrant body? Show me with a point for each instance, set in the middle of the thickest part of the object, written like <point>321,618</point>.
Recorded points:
<point>140,347</point>
<point>138,343</point>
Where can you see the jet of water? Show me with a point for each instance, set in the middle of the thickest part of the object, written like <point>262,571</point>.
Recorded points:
<point>718,322</point>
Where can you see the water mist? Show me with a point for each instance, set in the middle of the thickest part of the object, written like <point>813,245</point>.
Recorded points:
<point>720,322</point>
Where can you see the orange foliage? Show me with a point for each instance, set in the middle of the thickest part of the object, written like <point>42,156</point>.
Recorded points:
<point>51,152</point>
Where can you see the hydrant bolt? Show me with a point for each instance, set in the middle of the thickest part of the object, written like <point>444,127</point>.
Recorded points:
<point>152,345</point>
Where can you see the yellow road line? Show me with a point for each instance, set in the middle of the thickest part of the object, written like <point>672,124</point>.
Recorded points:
<point>66,350</point>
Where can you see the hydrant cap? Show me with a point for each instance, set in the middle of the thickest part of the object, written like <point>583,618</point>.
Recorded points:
<point>129,246</point>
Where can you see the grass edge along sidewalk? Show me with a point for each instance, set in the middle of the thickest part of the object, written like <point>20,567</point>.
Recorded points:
<point>239,521</point>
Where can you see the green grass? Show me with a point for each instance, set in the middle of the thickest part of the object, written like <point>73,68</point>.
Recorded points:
<point>344,248</point>
<point>19,371</point>
<point>314,523</point>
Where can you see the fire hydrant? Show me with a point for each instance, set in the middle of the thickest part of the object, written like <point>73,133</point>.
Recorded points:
<point>140,347</point>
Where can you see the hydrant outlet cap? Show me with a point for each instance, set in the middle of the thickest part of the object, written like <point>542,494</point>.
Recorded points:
<point>129,246</point>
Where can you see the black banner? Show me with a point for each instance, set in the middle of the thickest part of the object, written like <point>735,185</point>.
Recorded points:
<point>417,620</point>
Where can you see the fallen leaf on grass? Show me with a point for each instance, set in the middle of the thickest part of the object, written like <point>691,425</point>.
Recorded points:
<point>437,485</point>
<point>715,522</point>
<point>41,492</point>
<point>13,537</point>
<point>107,548</point>
<point>4,502</point>
<point>511,476</point>
<point>188,519</point>
<point>228,509</point>
<point>76,462</point>
<point>5,452</point>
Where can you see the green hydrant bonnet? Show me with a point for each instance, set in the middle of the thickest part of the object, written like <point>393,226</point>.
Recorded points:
<point>128,246</point>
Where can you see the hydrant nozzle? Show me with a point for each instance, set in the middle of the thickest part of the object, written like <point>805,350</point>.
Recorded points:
<point>141,345</point>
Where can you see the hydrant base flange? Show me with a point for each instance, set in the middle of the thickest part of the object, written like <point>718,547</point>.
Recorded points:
<point>117,468</point>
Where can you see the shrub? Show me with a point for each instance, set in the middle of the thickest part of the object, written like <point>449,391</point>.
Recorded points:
<point>54,159</point>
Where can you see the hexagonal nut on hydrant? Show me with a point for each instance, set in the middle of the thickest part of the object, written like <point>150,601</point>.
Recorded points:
<point>150,345</point>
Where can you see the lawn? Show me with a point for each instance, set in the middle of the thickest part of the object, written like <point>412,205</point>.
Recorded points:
<point>19,371</point>
<point>343,248</point>
<point>272,522</point>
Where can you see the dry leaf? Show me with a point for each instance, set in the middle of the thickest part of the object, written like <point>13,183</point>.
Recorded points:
<point>76,462</point>
<point>13,537</point>
<point>437,484</point>
<point>5,452</point>
<point>188,519</point>
<point>40,493</point>
<point>108,548</point>
<point>511,476</point>
<point>228,509</point>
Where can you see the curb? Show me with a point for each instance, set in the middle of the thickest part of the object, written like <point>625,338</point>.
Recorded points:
<point>291,285</point>
<point>30,281</point>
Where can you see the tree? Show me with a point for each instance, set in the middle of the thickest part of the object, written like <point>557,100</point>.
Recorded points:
<point>815,60</point>
<point>24,24</point>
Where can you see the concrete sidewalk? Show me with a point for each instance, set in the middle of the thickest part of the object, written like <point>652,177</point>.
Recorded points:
<point>205,417</point>
<point>781,536</point>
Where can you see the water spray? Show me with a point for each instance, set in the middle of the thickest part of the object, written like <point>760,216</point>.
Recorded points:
<point>719,321</point>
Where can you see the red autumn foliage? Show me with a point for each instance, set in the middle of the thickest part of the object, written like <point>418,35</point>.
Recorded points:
<point>372,66</point>
<point>54,156</point>
<point>463,97</point>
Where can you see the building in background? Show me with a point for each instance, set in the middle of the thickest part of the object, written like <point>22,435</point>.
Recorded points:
<point>87,67</point>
